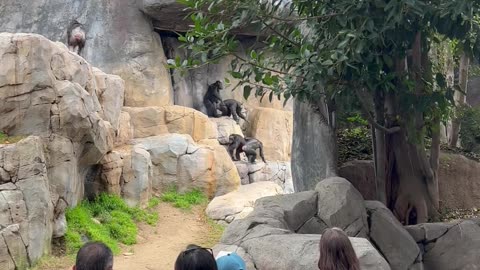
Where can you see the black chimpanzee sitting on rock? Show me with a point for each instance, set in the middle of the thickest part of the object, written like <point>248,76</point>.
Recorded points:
<point>212,99</point>
<point>231,107</point>
<point>238,144</point>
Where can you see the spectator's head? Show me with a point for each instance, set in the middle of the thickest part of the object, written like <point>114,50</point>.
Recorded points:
<point>196,258</point>
<point>336,251</point>
<point>231,262</point>
<point>94,256</point>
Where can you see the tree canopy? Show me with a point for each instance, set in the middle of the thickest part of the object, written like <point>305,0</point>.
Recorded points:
<point>385,53</point>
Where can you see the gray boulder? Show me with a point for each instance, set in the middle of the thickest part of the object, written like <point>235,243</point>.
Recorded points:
<point>456,249</point>
<point>341,205</point>
<point>301,252</point>
<point>268,239</point>
<point>390,237</point>
<point>297,208</point>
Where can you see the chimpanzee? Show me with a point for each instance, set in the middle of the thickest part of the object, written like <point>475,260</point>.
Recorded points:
<point>212,98</point>
<point>250,149</point>
<point>231,107</point>
<point>76,37</point>
<point>247,145</point>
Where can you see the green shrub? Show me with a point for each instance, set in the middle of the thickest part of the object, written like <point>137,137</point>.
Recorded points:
<point>107,219</point>
<point>184,201</point>
<point>354,143</point>
<point>470,129</point>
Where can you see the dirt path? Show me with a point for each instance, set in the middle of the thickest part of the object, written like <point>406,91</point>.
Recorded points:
<point>158,247</point>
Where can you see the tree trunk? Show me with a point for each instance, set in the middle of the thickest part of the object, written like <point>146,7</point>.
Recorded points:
<point>412,179</point>
<point>314,149</point>
<point>380,154</point>
<point>460,98</point>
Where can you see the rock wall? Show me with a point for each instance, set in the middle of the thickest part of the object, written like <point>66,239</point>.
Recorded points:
<point>73,110</point>
<point>463,193</point>
<point>451,245</point>
<point>313,145</point>
<point>26,209</point>
<point>283,232</point>
<point>120,40</point>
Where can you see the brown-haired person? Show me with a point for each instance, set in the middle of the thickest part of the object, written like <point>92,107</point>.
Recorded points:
<point>336,251</point>
<point>94,256</point>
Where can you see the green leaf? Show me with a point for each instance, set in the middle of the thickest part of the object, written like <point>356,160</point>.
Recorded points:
<point>247,89</point>
<point>236,75</point>
<point>327,63</point>
<point>253,54</point>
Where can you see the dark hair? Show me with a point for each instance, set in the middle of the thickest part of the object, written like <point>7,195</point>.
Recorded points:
<point>94,256</point>
<point>196,258</point>
<point>336,251</point>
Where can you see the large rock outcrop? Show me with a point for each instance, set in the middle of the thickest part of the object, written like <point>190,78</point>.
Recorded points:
<point>313,148</point>
<point>47,91</point>
<point>274,129</point>
<point>152,121</point>
<point>154,164</point>
<point>26,209</point>
<point>73,110</point>
<point>389,236</point>
<point>342,206</point>
<point>120,40</point>
<point>451,245</point>
<point>283,232</point>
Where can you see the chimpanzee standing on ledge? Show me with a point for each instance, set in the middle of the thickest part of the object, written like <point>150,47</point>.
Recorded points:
<point>76,37</point>
<point>212,98</point>
<point>247,145</point>
<point>231,107</point>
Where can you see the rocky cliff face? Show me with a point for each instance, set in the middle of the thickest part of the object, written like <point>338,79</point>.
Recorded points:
<point>120,40</point>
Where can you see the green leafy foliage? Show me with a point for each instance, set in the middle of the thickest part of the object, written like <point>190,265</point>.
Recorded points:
<point>470,129</point>
<point>107,219</point>
<point>316,49</point>
<point>354,144</point>
<point>184,201</point>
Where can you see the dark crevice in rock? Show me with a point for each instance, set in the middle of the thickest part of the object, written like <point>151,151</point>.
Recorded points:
<point>303,224</point>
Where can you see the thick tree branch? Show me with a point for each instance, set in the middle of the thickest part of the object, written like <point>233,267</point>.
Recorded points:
<point>371,119</point>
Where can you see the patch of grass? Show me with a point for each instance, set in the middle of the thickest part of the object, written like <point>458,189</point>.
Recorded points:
<point>184,201</point>
<point>5,139</point>
<point>107,219</point>
<point>214,230</point>
<point>154,202</point>
<point>53,262</point>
